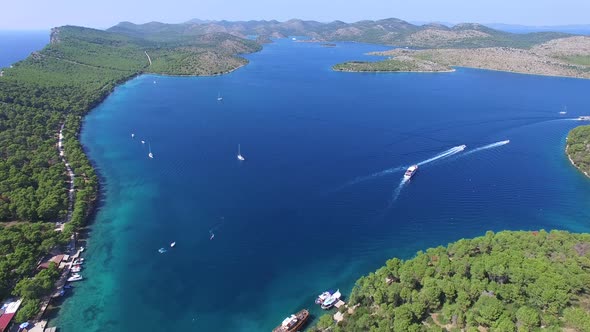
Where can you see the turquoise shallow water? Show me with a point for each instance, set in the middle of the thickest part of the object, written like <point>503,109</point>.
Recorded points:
<point>318,201</point>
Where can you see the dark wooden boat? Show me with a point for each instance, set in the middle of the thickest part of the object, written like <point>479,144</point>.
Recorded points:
<point>293,322</point>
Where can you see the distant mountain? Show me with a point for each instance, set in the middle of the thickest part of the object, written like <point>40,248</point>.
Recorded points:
<point>391,31</point>
<point>578,29</point>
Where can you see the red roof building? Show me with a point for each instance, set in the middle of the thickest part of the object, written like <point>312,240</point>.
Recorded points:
<point>7,311</point>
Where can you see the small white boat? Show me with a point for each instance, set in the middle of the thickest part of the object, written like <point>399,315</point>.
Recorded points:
<point>172,244</point>
<point>331,301</point>
<point>132,135</point>
<point>75,277</point>
<point>322,297</point>
<point>240,157</point>
<point>142,142</point>
<point>161,250</point>
<point>76,268</point>
<point>212,236</point>
<point>410,172</point>
<point>564,111</point>
<point>77,262</point>
<point>82,249</point>
<point>150,154</point>
<point>293,38</point>
<point>219,97</point>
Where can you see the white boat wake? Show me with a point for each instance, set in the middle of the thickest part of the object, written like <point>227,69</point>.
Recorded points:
<point>489,146</point>
<point>396,193</point>
<point>448,153</point>
<point>374,175</point>
<point>445,154</point>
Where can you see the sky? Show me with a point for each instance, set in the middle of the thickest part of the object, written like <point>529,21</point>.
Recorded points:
<point>45,14</point>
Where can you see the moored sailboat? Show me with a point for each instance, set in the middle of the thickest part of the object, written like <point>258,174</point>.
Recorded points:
<point>240,157</point>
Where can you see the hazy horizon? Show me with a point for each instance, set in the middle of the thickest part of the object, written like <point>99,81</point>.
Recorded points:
<point>110,12</point>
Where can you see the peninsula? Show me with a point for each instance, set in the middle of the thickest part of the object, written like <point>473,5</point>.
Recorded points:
<point>42,102</point>
<point>578,148</point>
<point>568,56</point>
<point>506,281</point>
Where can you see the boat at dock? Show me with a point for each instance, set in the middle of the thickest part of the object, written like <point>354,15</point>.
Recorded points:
<point>76,268</point>
<point>331,301</point>
<point>75,277</point>
<point>293,323</point>
<point>322,297</point>
<point>410,172</point>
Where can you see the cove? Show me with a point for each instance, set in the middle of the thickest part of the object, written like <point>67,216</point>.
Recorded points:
<point>318,201</point>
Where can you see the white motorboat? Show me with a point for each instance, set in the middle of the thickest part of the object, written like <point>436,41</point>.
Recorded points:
<point>322,297</point>
<point>410,172</point>
<point>172,244</point>
<point>331,301</point>
<point>219,97</point>
<point>150,154</point>
<point>75,277</point>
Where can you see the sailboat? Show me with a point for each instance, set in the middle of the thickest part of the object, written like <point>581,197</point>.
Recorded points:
<point>240,157</point>
<point>564,110</point>
<point>151,155</point>
<point>219,97</point>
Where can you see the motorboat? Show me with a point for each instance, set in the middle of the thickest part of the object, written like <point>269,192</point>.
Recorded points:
<point>410,172</point>
<point>75,277</point>
<point>172,244</point>
<point>322,297</point>
<point>331,301</point>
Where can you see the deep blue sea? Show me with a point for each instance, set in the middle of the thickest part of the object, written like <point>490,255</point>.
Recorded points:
<point>319,201</point>
<point>17,45</point>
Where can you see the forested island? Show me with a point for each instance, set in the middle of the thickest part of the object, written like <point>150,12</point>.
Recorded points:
<point>506,281</point>
<point>58,86</point>
<point>578,148</point>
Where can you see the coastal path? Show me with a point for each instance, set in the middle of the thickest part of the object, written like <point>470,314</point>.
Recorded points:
<point>71,175</point>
